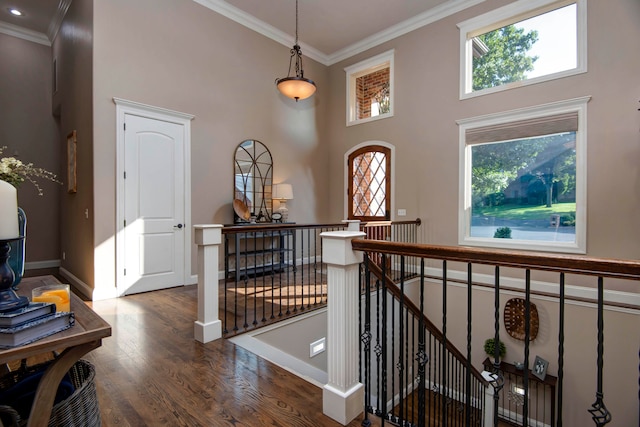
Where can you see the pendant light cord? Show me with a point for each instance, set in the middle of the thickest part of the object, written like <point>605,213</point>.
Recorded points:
<point>296,22</point>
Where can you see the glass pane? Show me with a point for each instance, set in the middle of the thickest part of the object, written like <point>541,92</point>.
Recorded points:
<point>372,94</point>
<point>369,184</point>
<point>525,189</point>
<point>538,46</point>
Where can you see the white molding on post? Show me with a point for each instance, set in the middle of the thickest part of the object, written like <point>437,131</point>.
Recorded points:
<point>343,395</point>
<point>208,238</point>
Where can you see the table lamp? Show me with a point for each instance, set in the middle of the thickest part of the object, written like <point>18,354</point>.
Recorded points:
<point>9,300</point>
<point>282,193</point>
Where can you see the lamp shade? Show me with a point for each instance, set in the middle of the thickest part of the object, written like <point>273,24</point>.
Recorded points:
<point>296,87</point>
<point>282,192</point>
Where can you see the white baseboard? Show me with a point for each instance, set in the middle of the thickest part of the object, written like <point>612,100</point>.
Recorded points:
<point>85,289</point>
<point>37,265</point>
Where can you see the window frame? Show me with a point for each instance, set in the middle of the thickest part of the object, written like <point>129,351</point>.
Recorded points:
<point>389,150</point>
<point>578,106</point>
<point>363,68</point>
<point>511,14</point>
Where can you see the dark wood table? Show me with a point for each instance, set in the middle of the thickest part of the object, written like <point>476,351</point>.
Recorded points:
<point>72,344</point>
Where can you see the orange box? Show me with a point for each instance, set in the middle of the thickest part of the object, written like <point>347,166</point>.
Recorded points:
<point>58,294</point>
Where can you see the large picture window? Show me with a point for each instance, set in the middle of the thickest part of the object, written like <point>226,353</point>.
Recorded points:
<point>522,43</point>
<point>523,176</point>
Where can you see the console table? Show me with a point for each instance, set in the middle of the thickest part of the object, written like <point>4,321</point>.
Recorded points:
<point>261,251</point>
<point>542,395</point>
<point>85,335</point>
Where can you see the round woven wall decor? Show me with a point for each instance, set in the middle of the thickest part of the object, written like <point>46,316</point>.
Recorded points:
<point>514,319</point>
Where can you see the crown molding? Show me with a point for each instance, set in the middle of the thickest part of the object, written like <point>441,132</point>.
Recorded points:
<point>261,27</point>
<point>56,22</point>
<point>432,15</point>
<point>448,8</point>
<point>23,33</point>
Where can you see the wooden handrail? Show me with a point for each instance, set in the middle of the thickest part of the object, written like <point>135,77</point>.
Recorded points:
<point>573,264</point>
<point>274,226</point>
<point>433,329</point>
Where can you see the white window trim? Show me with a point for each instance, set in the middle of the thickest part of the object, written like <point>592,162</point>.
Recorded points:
<point>578,105</point>
<point>365,67</point>
<point>347,196</point>
<point>504,16</point>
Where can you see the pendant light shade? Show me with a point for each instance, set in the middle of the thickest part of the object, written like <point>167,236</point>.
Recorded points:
<point>297,87</point>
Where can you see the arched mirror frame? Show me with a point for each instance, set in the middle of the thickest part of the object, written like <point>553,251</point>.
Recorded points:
<point>253,179</point>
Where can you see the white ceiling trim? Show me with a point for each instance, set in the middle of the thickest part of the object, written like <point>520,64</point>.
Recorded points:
<point>261,27</point>
<point>418,21</point>
<point>402,28</point>
<point>56,22</point>
<point>23,33</point>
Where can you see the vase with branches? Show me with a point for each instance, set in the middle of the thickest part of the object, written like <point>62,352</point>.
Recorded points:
<point>15,172</point>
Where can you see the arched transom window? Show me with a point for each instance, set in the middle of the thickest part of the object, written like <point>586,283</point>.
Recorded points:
<point>370,183</point>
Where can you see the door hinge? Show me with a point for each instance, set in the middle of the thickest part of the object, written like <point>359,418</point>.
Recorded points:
<point>125,271</point>
<point>125,222</point>
<point>124,125</point>
<point>125,175</point>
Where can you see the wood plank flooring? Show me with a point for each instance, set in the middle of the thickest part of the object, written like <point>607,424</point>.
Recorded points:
<point>152,372</point>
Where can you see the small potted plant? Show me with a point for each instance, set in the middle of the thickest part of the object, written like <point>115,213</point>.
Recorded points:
<point>490,349</point>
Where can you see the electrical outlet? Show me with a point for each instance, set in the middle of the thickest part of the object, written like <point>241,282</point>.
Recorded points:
<point>402,212</point>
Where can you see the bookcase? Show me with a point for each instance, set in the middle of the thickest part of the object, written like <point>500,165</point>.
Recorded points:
<point>253,253</point>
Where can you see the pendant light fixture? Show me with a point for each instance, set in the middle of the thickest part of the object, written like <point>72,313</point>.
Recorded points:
<point>297,87</point>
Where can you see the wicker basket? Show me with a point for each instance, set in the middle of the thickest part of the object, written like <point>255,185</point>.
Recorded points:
<point>81,409</point>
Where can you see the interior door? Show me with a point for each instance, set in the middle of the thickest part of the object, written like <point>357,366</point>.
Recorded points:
<point>154,230</point>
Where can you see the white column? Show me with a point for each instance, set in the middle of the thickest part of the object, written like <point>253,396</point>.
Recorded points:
<point>488,405</point>
<point>343,396</point>
<point>208,238</point>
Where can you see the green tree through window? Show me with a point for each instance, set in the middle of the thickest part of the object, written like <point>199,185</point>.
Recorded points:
<point>506,58</point>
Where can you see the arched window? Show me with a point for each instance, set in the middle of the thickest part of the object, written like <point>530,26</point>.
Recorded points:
<point>369,183</point>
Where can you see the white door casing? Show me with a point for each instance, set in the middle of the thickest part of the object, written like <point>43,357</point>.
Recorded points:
<point>153,241</point>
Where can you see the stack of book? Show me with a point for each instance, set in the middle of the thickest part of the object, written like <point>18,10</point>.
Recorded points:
<point>31,323</point>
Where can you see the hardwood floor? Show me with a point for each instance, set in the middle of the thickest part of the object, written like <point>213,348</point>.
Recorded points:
<point>152,372</point>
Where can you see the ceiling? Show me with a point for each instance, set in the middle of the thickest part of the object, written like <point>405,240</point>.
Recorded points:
<point>328,30</point>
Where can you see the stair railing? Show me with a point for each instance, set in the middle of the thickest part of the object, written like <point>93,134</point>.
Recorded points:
<point>391,406</point>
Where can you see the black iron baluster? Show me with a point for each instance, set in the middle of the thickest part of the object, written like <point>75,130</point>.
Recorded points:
<point>292,261</point>
<point>402,352</point>
<point>560,353</point>
<point>599,412</point>
<point>527,334</point>
<point>285,259</point>
<point>237,281</point>
<point>246,279</point>
<point>315,269</point>
<point>384,336</point>
<point>444,371</point>
<point>378,348</point>
<point>393,339</point>
<point>255,281</point>
<point>366,342</point>
<point>295,279</point>
<point>498,382</point>
<point>226,281</point>
<point>469,319</point>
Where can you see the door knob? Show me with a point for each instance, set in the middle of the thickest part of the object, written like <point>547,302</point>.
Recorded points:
<point>177,226</point>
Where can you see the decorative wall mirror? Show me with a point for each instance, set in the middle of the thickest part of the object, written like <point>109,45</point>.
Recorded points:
<point>252,182</point>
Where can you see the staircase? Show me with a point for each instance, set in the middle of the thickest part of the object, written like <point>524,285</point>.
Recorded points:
<point>413,348</point>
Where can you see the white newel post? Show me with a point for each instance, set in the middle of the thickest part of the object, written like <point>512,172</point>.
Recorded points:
<point>343,396</point>
<point>208,238</point>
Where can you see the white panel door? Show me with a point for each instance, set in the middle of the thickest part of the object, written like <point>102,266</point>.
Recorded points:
<point>154,229</point>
